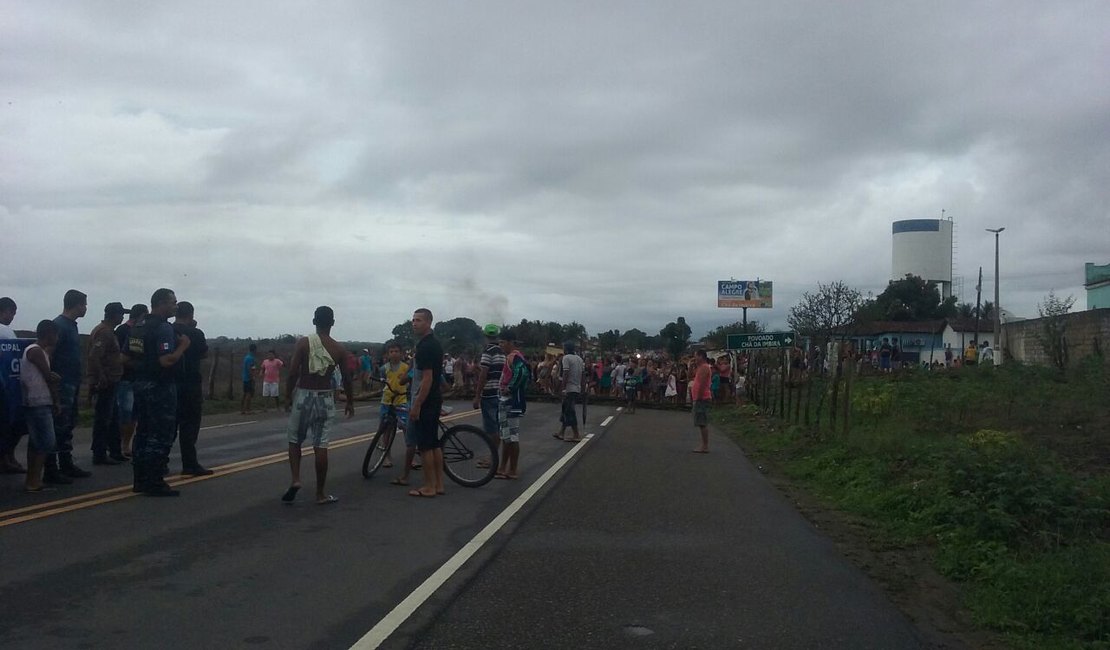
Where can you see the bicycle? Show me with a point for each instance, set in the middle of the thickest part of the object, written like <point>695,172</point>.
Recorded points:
<point>465,448</point>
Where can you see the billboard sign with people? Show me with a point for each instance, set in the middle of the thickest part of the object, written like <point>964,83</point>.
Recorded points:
<point>744,293</point>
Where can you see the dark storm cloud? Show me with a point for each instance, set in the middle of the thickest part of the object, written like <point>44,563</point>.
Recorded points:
<point>566,161</point>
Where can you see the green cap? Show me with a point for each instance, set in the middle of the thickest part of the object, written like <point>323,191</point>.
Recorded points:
<point>491,330</point>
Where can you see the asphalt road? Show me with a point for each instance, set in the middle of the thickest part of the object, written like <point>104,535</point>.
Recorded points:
<point>226,565</point>
<point>647,545</point>
<point>636,543</point>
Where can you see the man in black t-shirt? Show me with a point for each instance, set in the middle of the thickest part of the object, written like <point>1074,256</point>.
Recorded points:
<point>426,403</point>
<point>190,396</point>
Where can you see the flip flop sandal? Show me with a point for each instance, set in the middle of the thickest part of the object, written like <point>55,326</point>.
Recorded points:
<point>418,493</point>
<point>290,494</point>
<point>328,500</point>
<point>398,481</point>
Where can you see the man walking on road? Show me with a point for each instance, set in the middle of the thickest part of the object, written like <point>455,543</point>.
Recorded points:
<point>156,350</point>
<point>66,361</point>
<point>702,395</point>
<point>573,368</point>
<point>311,399</point>
<point>190,395</point>
<point>105,371</point>
<point>487,393</point>
<point>427,402</point>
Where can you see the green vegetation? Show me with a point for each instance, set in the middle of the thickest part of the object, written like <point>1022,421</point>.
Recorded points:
<point>1002,472</point>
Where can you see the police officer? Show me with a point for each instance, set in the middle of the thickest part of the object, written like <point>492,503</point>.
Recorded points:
<point>156,350</point>
<point>190,397</point>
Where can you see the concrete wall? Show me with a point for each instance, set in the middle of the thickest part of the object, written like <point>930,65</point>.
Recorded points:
<point>1086,332</point>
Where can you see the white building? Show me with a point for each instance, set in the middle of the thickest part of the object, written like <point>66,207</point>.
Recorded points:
<point>923,247</point>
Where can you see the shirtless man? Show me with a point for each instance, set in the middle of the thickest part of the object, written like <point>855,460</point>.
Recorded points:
<point>311,398</point>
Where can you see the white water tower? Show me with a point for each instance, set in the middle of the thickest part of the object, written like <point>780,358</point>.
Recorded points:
<point>923,247</point>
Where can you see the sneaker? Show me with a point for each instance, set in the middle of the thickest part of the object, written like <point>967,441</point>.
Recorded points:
<point>196,471</point>
<point>74,471</point>
<point>104,460</point>
<point>160,490</point>
<point>52,476</point>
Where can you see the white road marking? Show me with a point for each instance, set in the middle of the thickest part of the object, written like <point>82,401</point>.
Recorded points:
<point>220,426</point>
<point>607,421</point>
<point>389,624</point>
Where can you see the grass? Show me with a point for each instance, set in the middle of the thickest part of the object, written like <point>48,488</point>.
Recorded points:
<point>1002,473</point>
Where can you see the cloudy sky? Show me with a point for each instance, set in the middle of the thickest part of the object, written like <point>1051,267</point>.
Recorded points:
<point>605,162</point>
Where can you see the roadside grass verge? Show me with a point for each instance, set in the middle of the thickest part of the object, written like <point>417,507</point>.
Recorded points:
<point>1001,473</point>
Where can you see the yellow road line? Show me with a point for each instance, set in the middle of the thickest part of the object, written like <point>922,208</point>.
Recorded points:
<point>80,502</point>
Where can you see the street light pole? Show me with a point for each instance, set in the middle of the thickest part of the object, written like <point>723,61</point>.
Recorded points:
<point>997,306</point>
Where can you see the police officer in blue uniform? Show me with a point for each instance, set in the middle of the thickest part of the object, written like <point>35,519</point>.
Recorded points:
<point>156,349</point>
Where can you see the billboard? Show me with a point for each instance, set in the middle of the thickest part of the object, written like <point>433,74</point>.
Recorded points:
<point>744,293</point>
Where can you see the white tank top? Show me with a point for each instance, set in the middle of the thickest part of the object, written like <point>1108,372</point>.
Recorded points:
<point>36,392</point>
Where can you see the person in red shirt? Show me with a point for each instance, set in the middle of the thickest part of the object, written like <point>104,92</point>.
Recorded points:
<point>701,395</point>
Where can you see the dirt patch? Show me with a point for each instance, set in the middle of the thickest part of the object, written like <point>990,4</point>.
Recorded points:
<point>906,574</point>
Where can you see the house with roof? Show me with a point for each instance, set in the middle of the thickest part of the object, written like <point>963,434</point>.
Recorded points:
<point>958,332</point>
<point>918,340</point>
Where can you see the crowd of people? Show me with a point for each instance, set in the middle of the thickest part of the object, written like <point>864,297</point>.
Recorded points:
<point>144,383</point>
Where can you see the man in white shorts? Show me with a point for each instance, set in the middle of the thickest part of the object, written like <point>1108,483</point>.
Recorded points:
<point>271,377</point>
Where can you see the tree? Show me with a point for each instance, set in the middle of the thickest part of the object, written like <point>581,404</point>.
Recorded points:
<point>966,310</point>
<point>909,299</point>
<point>634,339</point>
<point>719,337</point>
<point>404,335</point>
<point>825,312</point>
<point>609,341</point>
<point>675,336</point>
<point>459,334</point>
<point>1053,334</point>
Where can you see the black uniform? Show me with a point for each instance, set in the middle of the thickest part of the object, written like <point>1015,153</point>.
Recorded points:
<point>155,402</point>
<point>190,397</point>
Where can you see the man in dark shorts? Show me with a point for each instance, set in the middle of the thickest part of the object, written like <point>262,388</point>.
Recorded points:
<point>310,398</point>
<point>573,376</point>
<point>702,396</point>
<point>427,402</point>
<point>249,371</point>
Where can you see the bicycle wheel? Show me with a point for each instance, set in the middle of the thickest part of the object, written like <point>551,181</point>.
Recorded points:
<point>380,446</point>
<point>465,449</point>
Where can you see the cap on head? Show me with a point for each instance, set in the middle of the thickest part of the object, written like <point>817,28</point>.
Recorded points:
<point>324,317</point>
<point>115,309</point>
<point>491,330</point>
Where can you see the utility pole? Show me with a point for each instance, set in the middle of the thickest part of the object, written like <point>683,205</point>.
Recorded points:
<point>978,308</point>
<point>997,306</point>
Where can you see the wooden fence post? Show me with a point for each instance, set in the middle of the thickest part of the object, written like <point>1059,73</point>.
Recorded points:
<point>212,374</point>
<point>849,370</point>
<point>231,375</point>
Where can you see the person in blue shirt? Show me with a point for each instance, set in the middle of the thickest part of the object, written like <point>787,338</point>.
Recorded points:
<point>249,371</point>
<point>66,361</point>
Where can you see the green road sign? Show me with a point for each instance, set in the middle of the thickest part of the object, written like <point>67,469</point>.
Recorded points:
<point>761,341</point>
